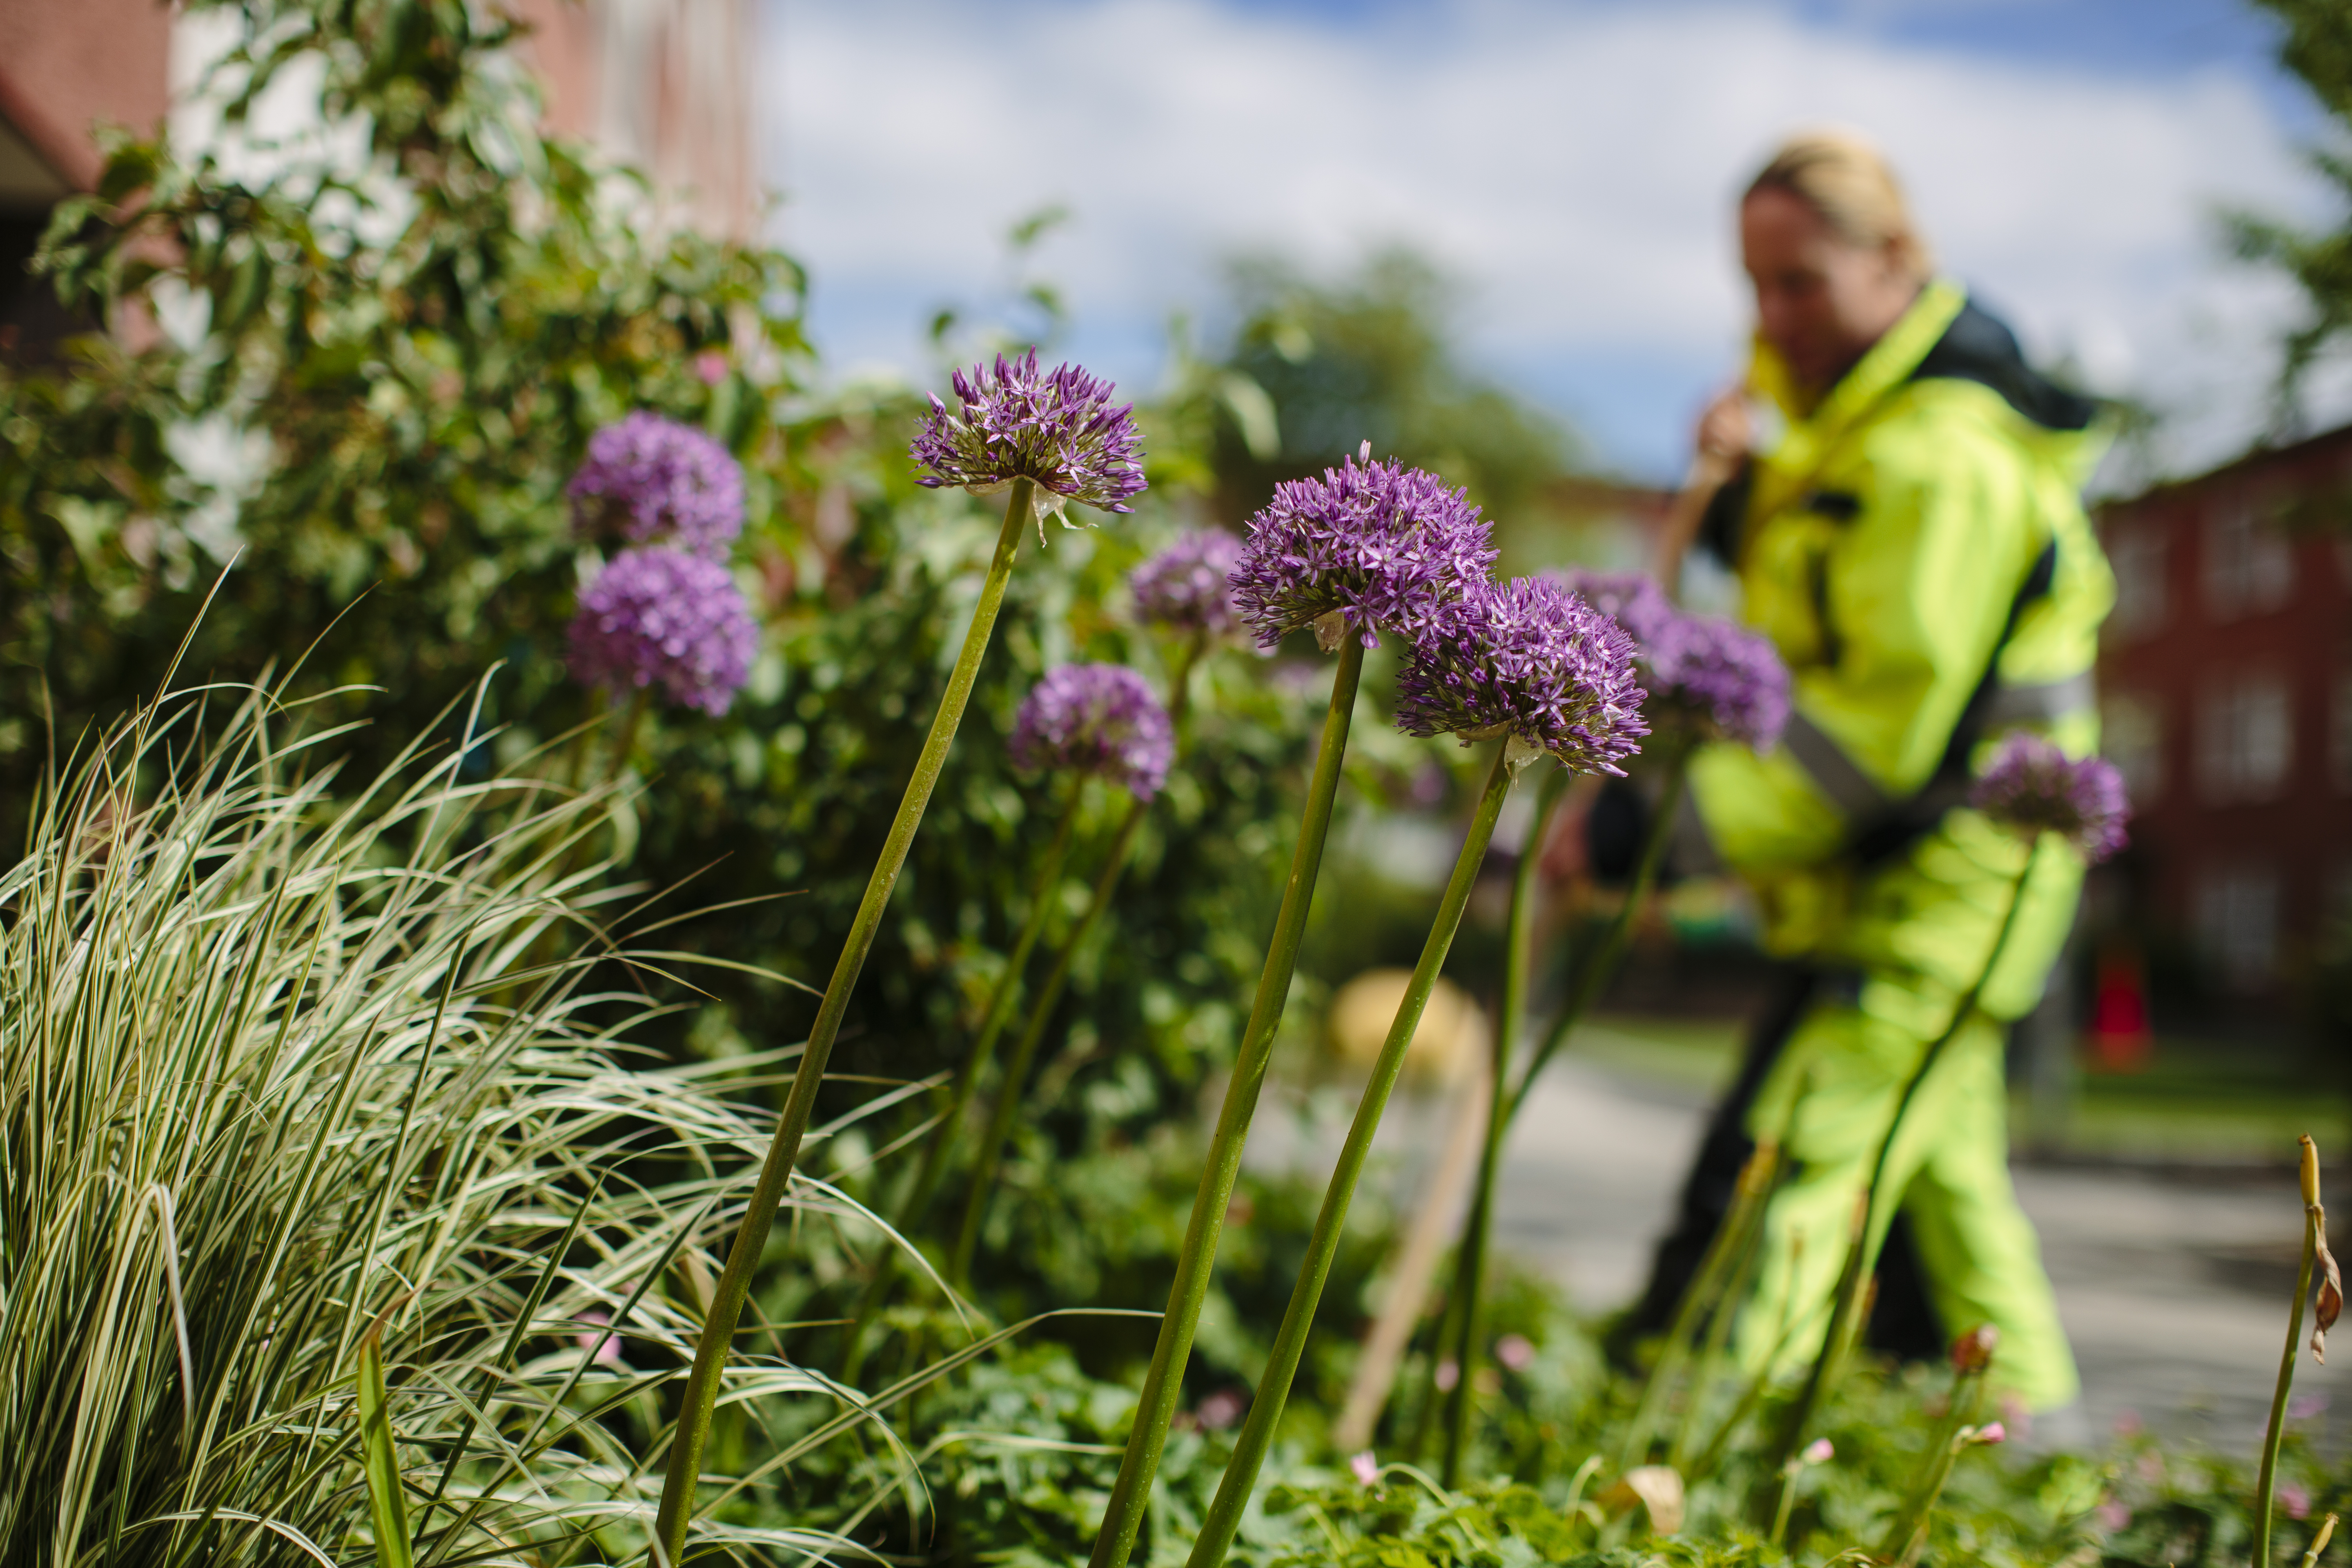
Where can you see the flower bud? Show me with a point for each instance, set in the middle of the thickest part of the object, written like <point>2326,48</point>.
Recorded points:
<point>1972,1351</point>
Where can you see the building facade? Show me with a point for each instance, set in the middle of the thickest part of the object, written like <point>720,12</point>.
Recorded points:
<point>2226,684</point>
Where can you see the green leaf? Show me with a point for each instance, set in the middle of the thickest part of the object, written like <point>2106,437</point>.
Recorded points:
<point>381,1463</point>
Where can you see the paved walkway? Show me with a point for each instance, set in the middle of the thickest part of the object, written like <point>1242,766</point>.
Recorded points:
<point>2173,1289</point>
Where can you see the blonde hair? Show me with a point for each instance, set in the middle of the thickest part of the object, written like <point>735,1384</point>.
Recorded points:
<point>1844,178</point>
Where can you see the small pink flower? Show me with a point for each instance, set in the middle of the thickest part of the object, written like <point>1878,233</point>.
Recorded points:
<point>1516,1352</point>
<point>1366,1467</point>
<point>1993,1431</point>
<point>2113,1515</point>
<point>2303,1406</point>
<point>1449,1372</point>
<point>1221,1409</point>
<point>710,366</point>
<point>2295,1501</point>
<point>605,1345</point>
<point>1819,1451</point>
<point>2128,1423</point>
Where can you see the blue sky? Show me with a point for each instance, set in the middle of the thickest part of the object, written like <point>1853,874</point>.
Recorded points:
<point>1569,162</point>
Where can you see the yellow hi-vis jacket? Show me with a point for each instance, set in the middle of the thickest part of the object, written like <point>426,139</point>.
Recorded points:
<point>1882,543</point>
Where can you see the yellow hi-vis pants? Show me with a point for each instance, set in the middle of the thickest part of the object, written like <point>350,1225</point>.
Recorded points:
<point>1845,1070</point>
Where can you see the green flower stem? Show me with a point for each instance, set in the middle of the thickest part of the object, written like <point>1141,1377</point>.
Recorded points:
<point>1478,1225</point>
<point>1131,1494</point>
<point>1907,1538</point>
<point>1224,1514</point>
<point>926,1186</point>
<point>710,1349</point>
<point>1747,1219</point>
<point>1024,1054</point>
<point>2315,1222</point>
<point>1846,1310</point>
<point>1593,976</point>
<point>1726,1252</point>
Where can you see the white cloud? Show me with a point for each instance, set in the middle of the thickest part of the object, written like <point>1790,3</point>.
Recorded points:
<point>1572,166</point>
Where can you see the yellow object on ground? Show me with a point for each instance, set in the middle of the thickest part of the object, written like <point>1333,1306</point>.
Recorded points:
<point>1885,544</point>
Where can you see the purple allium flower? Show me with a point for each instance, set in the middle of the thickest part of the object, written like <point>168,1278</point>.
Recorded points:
<point>1059,430</point>
<point>2033,787</point>
<point>1701,670</point>
<point>1377,545</point>
<point>1096,719</point>
<point>1185,584</point>
<point>664,482</point>
<point>1529,659</point>
<point>664,615</point>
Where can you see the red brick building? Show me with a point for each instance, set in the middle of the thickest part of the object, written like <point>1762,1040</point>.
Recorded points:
<point>2226,681</point>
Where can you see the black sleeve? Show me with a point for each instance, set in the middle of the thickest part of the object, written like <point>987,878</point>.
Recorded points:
<point>1614,829</point>
<point>1719,526</point>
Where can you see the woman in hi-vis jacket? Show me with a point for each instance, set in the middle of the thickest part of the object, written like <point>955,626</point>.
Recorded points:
<point>1905,527</point>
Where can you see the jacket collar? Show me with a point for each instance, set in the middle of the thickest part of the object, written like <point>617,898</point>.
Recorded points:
<point>1807,439</point>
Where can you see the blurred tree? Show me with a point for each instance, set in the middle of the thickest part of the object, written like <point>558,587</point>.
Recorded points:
<point>2316,45</point>
<point>1370,357</point>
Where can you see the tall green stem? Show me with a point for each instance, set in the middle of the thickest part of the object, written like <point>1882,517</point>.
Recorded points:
<point>1049,996</point>
<point>1131,1494</point>
<point>1846,1307</point>
<point>1224,1514</point>
<point>2314,1226</point>
<point>1478,1224</point>
<point>1593,975</point>
<point>1024,1054</point>
<point>710,1349</point>
<point>919,1197</point>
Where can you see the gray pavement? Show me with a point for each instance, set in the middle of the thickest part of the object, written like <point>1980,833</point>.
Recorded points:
<point>2174,1287</point>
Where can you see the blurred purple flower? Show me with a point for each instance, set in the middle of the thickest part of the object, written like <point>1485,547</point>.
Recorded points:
<point>1527,659</point>
<point>1820,1451</point>
<point>1095,719</point>
<point>1449,1372</point>
<point>663,616</point>
<point>2113,1515</point>
<point>1727,680</point>
<point>1516,1352</point>
<point>661,480</point>
<point>2295,1501</point>
<point>1184,585</point>
<point>1377,545</point>
<point>1058,429</point>
<point>1366,1467</point>
<point>1990,1432</point>
<point>710,367</point>
<point>2303,1406</point>
<point>2032,787</point>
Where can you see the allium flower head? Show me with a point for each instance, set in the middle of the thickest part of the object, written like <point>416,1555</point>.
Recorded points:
<point>1095,719</point>
<point>1377,546</point>
<point>2032,787</point>
<point>1185,584</point>
<point>663,616</point>
<point>664,482</point>
<point>1528,660</point>
<point>1059,430</point>
<point>1701,670</point>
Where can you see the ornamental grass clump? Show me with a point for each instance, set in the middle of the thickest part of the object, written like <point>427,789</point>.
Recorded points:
<point>338,1225</point>
<point>1539,673</point>
<point>1040,440</point>
<point>1365,548</point>
<point>2037,793</point>
<point>1703,678</point>
<point>651,480</point>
